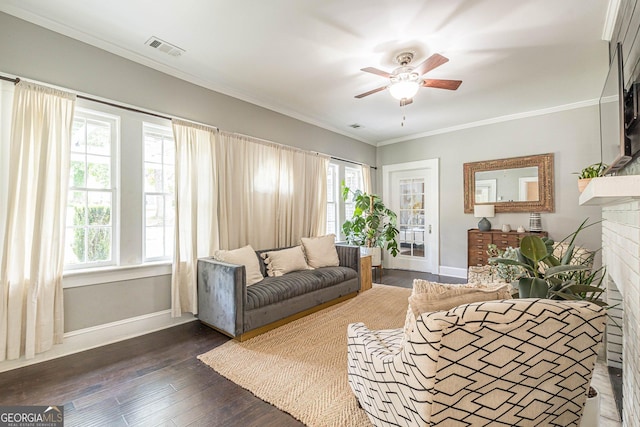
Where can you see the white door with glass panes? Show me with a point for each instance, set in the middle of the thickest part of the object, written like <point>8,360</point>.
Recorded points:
<point>411,191</point>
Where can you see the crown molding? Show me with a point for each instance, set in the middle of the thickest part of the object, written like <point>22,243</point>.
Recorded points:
<point>610,19</point>
<point>492,121</point>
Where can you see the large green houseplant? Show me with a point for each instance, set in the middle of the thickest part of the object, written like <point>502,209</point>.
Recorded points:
<point>545,275</point>
<point>372,225</point>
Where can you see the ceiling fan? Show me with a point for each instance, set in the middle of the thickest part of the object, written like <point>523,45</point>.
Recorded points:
<point>405,80</point>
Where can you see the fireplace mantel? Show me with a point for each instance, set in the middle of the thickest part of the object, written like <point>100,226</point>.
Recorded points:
<point>611,190</point>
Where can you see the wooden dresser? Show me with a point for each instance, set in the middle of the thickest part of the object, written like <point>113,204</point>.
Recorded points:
<point>477,242</point>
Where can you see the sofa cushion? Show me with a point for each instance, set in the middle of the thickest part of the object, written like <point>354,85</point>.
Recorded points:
<point>284,261</point>
<point>275,289</point>
<point>243,256</point>
<point>321,251</point>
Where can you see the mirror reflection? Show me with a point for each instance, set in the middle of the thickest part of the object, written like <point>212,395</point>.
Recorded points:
<point>507,185</point>
<point>515,184</point>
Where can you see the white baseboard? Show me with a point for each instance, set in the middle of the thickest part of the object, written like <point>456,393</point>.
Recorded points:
<point>97,336</point>
<point>453,272</point>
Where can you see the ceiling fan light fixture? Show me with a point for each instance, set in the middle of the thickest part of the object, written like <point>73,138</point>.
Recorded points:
<point>405,81</point>
<point>404,85</point>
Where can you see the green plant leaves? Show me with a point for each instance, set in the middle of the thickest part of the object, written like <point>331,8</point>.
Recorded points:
<point>533,248</point>
<point>560,269</point>
<point>569,277</point>
<point>592,171</point>
<point>532,287</point>
<point>372,224</point>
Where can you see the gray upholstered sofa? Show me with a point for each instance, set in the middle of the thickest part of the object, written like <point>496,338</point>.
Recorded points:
<point>227,304</point>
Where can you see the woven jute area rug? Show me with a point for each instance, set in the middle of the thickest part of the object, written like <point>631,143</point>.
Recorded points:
<point>301,367</point>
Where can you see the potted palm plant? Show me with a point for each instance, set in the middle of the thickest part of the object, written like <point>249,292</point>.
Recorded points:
<point>373,226</point>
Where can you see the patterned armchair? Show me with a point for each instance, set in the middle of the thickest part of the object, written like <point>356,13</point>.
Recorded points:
<point>522,362</point>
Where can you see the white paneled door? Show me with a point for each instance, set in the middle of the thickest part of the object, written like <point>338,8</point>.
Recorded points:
<point>411,191</point>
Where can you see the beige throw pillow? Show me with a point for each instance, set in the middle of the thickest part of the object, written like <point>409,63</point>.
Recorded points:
<point>243,256</point>
<point>425,303</point>
<point>421,286</point>
<point>433,296</point>
<point>285,260</point>
<point>321,251</point>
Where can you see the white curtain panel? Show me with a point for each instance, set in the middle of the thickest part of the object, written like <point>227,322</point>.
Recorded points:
<point>31,303</point>
<point>366,178</point>
<point>6,106</point>
<point>196,210</point>
<point>270,195</point>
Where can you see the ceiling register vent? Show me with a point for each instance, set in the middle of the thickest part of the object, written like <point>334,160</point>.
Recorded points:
<point>165,47</point>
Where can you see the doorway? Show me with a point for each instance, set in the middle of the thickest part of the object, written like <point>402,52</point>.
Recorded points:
<point>411,191</point>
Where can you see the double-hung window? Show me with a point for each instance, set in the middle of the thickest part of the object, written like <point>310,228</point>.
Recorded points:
<point>91,202</point>
<point>120,209</point>
<point>352,180</point>
<point>333,196</point>
<point>159,190</point>
<point>338,210</point>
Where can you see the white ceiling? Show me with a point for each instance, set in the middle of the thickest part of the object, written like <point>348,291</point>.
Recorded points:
<point>303,57</point>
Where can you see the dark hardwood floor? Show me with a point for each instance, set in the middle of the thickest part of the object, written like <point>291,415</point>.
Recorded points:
<point>152,380</point>
<point>404,278</point>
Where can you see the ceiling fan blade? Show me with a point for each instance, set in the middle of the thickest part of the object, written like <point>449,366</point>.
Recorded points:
<point>405,101</point>
<point>442,84</point>
<point>376,71</point>
<point>362,95</point>
<point>430,63</point>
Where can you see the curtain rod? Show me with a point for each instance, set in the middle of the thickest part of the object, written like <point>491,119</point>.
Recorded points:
<point>16,80</point>
<point>124,107</point>
<point>10,79</point>
<point>100,101</point>
<point>351,161</point>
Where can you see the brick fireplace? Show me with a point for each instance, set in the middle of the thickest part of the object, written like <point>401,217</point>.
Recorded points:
<point>619,197</point>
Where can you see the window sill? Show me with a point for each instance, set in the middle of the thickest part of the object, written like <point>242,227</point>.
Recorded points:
<point>97,276</point>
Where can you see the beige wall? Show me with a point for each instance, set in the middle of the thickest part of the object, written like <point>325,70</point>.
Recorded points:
<point>31,52</point>
<point>573,137</point>
<point>85,306</point>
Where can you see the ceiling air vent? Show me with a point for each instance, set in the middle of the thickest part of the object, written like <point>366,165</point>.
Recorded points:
<point>165,47</point>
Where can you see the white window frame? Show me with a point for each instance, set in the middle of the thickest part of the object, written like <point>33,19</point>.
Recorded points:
<point>342,168</point>
<point>129,263</point>
<point>114,122</point>
<point>333,205</point>
<point>350,205</point>
<point>164,132</point>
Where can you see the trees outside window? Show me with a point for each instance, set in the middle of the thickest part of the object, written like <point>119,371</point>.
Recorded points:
<point>159,190</point>
<point>91,198</point>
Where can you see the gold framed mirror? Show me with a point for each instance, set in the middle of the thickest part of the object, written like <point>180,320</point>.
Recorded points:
<point>516,184</point>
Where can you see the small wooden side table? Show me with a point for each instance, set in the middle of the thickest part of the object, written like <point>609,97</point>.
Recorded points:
<point>365,273</point>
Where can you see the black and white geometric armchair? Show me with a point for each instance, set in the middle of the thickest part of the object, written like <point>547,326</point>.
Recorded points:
<point>521,362</point>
